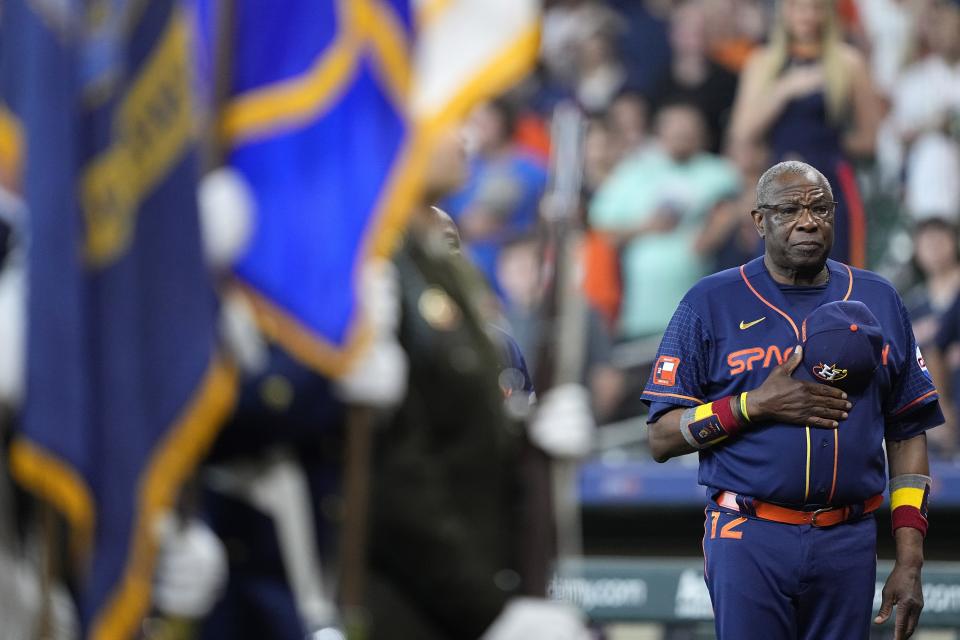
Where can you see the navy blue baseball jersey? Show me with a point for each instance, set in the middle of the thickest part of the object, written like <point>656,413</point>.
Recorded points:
<point>729,332</point>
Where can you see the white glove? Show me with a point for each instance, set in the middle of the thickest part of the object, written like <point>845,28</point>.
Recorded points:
<point>563,425</point>
<point>378,377</point>
<point>242,337</point>
<point>227,209</point>
<point>191,568</point>
<point>380,296</point>
<point>65,623</point>
<point>12,333</point>
<point>525,618</point>
<point>21,601</point>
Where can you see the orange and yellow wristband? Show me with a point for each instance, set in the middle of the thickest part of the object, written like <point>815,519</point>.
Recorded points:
<point>909,494</point>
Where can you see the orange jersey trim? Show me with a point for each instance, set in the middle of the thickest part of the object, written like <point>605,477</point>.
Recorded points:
<point>768,303</point>
<point>914,402</point>
<point>674,395</point>
<point>849,286</point>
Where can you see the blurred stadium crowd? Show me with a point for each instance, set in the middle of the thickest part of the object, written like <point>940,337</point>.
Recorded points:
<point>686,102</point>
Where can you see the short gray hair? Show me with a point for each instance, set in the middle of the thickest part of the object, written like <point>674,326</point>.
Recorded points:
<point>790,167</point>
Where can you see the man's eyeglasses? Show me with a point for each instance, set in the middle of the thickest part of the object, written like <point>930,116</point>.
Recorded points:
<point>789,211</point>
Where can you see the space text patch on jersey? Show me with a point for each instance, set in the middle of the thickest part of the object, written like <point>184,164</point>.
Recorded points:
<point>665,371</point>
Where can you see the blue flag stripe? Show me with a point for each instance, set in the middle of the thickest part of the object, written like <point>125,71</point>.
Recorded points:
<point>124,390</point>
<point>328,156</point>
<point>170,466</point>
<point>302,265</point>
<point>290,103</point>
<point>287,104</point>
<point>390,46</point>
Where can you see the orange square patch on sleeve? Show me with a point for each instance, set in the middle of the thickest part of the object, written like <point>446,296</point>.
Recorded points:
<point>665,371</point>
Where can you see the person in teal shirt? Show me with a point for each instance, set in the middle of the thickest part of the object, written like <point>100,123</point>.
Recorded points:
<point>655,204</point>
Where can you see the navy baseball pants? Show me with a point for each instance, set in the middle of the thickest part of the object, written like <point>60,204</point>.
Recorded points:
<point>773,581</point>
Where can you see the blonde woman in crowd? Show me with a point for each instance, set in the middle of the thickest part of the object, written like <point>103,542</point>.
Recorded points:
<point>809,95</point>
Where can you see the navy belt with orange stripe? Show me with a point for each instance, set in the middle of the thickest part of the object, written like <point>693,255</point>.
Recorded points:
<point>825,517</point>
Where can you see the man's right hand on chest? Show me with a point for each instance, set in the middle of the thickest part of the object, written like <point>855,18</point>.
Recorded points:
<point>782,398</point>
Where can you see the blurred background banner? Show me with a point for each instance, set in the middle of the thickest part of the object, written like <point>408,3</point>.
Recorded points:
<point>331,112</point>
<point>125,390</point>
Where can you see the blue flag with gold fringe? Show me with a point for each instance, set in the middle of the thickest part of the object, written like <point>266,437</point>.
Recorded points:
<point>317,123</point>
<point>124,387</point>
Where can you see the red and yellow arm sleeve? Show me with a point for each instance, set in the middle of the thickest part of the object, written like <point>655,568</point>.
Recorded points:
<point>706,425</point>
<point>909,494</point>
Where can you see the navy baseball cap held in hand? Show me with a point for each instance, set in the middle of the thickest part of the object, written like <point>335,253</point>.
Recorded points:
<point>842,345</point>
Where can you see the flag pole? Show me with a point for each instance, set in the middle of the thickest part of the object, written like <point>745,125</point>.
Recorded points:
<point>49,568</point>
<point>215,145</point>
<point>353,534</point>
<point>563,313</point>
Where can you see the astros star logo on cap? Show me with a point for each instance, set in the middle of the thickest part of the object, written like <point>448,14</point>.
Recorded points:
<point>829,372</point>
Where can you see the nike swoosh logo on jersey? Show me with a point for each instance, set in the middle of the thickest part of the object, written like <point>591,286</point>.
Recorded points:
<point>747,325</point>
